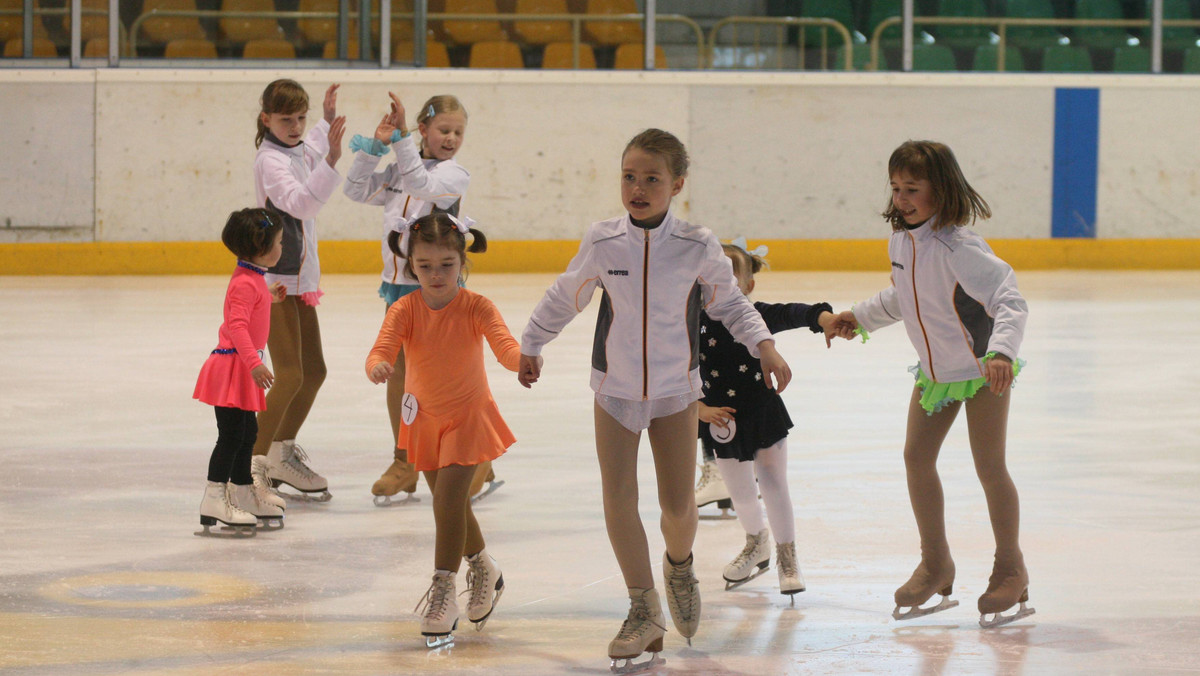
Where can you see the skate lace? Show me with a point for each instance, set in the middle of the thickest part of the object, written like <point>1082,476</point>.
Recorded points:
<point>477,582</point>
<point>785,558</point>
<point>296,461</point>
<point>434,599</point>
<point>747,552</point>
<point>706,472</point>
<point>638,621</point>
<point>230,506</point>
<point>681,581</point>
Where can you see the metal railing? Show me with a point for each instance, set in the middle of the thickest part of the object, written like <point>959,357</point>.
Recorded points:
<point>576,20</point>
<point>1003,24</point>
<point>781,24</point>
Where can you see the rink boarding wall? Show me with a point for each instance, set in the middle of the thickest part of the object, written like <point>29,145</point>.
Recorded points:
<point>118,171</point>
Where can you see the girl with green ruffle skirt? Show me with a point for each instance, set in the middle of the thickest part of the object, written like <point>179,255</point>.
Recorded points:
<point>964,315</point>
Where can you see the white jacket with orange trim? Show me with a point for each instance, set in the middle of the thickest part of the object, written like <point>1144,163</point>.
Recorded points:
<point>957,299</point>
<point>409,187</point>
<point>654,285</point>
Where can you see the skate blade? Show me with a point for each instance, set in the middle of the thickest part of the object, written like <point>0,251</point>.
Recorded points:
<point>491,488</point>
<point>495,601</point>
<point>389,501</point>
<point>626,665</point>
<point>1000,619</point>
<point>734,584</point>
<point>438,642</point>
<point>307,496</point>
<point>723,515</point>
<point>270,523</point>
<point>915,612</point>
<point>228,532</point>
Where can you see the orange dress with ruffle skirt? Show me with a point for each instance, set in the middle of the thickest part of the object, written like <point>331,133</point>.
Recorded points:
<point>457,421</point>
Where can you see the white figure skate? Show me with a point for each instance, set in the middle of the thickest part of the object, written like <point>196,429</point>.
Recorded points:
<point>791,582</point>
<point>752,561</point>
<point>641,632</point>
<point>440,616</point>
<point>711,488</point>
<point>926,580</point>
<point>216,507</point>
<point>262,484</point>
<point>1006,588</point>
<point>247,499</point>
<point>683,595</point>
<point>285,465</point>
<point>485,584</point>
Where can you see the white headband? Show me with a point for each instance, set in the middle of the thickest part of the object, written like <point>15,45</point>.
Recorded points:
<point>740,242</point>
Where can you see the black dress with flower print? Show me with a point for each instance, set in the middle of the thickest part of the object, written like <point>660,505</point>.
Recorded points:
<point>734,378</point>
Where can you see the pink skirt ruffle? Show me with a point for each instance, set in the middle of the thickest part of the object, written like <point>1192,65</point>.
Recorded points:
<point>225,381</point>
<point>470,436</point>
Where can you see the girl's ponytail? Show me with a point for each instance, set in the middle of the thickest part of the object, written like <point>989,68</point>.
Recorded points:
<point>393,241</point>
<point>478,241</point>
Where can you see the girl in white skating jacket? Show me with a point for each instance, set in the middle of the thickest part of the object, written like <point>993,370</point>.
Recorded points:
<point>294,174</point>
<point>656,273</point>
<point>424,179</point>
<point>966,318</point>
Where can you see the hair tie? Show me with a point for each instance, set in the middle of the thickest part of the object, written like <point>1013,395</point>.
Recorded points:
<point>464,226</point>
<point>740,242</point>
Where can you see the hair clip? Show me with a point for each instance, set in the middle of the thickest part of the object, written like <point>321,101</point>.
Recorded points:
<point>265,222</point>
<point>430,112</point>
<point>740,242</point>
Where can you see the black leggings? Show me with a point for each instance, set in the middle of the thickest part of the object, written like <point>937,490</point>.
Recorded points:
<point>236,430</point>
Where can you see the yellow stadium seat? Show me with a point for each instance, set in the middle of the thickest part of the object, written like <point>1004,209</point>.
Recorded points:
<point>542,32</point>
<point>323,30</point>
<point>42,48</point>
<point>269,49</point>
<point>188,48</point>
<point>496,54</point>
<point>238,29</point>
<point>436,54</point>
<point>613,32</point>
<point>559,55</point>
<point>168,28</point>
<point>472,31</point>
<point>633,57</point>
<point>12,26</point>
<point>91,25</point>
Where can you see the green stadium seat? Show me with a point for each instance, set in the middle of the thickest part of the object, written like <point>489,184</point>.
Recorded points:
<point>1032,37</point>
<point>861,57</point>
<point>882,9</point>
<point>1131,60</point>
<point>933,58</point>
<point>1173,37</point>
<point>987,58</point>
<point>1066,59</point>
<point>968,37</point>
<point>1100,37</point>
<point>841,11</point>
<point>1191,60</point>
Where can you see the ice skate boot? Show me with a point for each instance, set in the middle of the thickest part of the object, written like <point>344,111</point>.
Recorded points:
<point>1008,586</point>
<point>262,485</point>
<point>926,580</point>
<point>485,584</point>
<point>246,499</point>
<point>484,482</point>
<point>791,582</point>
<point>752,561</point>
<point>440,616</point>
<point>711,488</point>
<point>285,465</point>
<point>400,477</point>
<point>216,507</point>
<point>641,632</point>
<point>683,595</point>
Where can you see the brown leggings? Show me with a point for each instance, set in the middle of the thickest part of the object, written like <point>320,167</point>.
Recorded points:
<point>299,365</point>
<point>987,424</point>
<point>673,442</point>
<point>457,531</point>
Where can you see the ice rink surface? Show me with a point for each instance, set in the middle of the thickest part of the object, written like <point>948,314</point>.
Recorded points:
<point>104,458</point>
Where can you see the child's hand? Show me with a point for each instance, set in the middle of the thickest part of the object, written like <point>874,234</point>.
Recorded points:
<point>398,115</point>
<point>383,133</point>
<point>262,376</point>
<point>330,105</point>
<point>529,370</point>
<point>842,325</point>
<point>380,373</point>
<point>777,371</point>
<point>999,371</point>
<point>716,415</point>
<point>337,129</point>
<point>278,292</point>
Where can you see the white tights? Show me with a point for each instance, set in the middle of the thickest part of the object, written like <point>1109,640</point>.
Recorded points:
<point>770,467</point>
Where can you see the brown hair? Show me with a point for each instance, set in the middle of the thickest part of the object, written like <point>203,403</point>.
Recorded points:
<point>957,202</point>
<point>439,230</point>
<point>281,96</point>
<point>436,105</point>
<point>250,233</point>
<point>665,145</point>
<point>744,260</point>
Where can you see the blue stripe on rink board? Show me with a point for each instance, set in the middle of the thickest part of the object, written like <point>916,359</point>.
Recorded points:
<point>1076,165</point>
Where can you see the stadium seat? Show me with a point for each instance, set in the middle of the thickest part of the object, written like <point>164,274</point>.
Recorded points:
<point>609,33</point>
<point>560,55</point>
<point>436,54</point>
<point>882,9</point>
<point>470,32</point>
<point>91,24</point>
<point>1100,37</point>
<point>987,58</point>
<point>42,48</point>
<point>12,25</point>
<point>165,29</point>
<point>269,49</point>
<point>964,37</point>
<point>1174,37</point>
<point>542,32</point>
<point>841,11</point>
<point>933,58</point>
<point>861,56</point>
<point>1033,37</point>
<point>495,54</point>
<point>1131,59</point>
<point>402,26</point>
<point>1191,60</point>
<point>632,56</point>
<point>237,29</point>
<point>189,48</point>
<point>1066,59</point>
<point>322,31</point>
<point>330,51</point>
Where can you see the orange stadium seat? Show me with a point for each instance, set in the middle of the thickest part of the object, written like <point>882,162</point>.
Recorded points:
<point>496,54</point>
<point>470,32</point>
<point>613,32</point>
<point>542,32</point>
<point>560,55</point>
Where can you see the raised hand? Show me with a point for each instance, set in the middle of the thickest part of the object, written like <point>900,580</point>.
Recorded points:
<point>399,121</point>
<point>330,105</point>
<point>337,129</point>
<point>383,133</point>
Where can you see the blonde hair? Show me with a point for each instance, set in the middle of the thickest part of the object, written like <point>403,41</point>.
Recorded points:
<point>436,105</point>
<point>281,96</point>
<point>665,145</point>
<point>957,202</point>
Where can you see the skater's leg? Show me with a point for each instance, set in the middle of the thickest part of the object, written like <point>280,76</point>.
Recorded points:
<point>672,440</point>
<point>229,439</point>
<point>922,444</point>
<point>483,474</point>
<point>616,449</point>
<point>770,466</point>
<point>240,471</point>
<point>739,480</point>
<point>312,365</point>
<point>452,516</point>
<point>987,423</point>
<point>283,342</point>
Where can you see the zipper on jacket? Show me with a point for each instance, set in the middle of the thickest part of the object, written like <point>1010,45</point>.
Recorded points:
<point>917,304</point>
<point>645,299</point>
